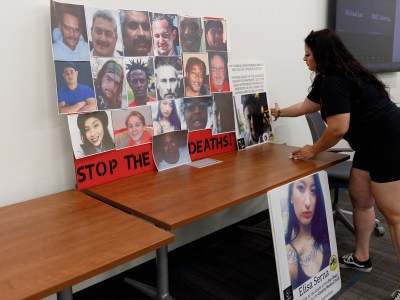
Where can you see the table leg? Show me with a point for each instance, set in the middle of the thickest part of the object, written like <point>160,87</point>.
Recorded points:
<point>65,294</point>
<point>162,291</point>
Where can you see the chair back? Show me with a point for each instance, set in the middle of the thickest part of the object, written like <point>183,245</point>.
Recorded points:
<point>316,124</point>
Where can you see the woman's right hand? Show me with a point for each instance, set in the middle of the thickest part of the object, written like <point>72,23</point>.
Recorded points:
<point>276,111</point>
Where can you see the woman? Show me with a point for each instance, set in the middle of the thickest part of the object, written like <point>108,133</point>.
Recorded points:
<point>307,239</point>
<point>135,123</point>
<point>167,117</point>
<point>356,106</point>
<point>95,136</point>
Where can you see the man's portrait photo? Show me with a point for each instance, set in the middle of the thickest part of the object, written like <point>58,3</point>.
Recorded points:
<point>197,113</point>
<point>168,77</point>
<point>140,78</point>
<point>215,34</point>
<point>165,34</point>
<point>223,112</point>
<point>136,33</point>
<point>254,122</point>
<point>196,75</point>
<point>108,76</point>
<point>171,149</point>
<point>74,87</point>
<point>191,34</point>
<point>104,32</point>
<point>68,25</point>
<point>219,79</point>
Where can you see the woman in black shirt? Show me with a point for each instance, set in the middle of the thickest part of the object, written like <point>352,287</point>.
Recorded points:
<point>356,106</point>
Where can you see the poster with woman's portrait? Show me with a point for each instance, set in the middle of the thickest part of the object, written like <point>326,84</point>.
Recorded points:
<point>304,238</point>
<point>91,133</point>
<point>166,117</point>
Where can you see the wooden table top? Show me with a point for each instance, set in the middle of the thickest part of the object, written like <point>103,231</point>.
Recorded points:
<point>182,195</point>
<point>51,243</point>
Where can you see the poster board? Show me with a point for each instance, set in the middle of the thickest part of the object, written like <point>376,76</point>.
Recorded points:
<point>304,239</point>
<point>123,89</point>
<point>252,115</point>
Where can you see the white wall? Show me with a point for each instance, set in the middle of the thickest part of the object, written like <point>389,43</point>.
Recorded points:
<point>36,156</point>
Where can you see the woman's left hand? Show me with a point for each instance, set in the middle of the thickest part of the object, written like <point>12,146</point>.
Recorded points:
<point>303,153</point>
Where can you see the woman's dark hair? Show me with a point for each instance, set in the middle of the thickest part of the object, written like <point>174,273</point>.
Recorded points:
<point>87,147</point>
<point>333,57</point>
<point>173,117</point>
<point>135,114</point>
<point>319,226</point>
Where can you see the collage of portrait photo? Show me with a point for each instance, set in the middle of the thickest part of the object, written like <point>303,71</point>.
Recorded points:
<point>136,75</point>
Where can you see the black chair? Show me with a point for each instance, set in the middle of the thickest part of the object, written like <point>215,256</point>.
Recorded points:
<point>338,175</point>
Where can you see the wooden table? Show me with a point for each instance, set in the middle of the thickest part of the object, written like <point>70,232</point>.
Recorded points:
<point>50,243</point>
<point>182,195</point>
<point>176,197</point>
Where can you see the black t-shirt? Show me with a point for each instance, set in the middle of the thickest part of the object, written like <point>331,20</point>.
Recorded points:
<point>373,116</point>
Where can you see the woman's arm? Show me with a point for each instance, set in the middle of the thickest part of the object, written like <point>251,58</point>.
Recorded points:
<point>334,132</point>
<point>295,110</point>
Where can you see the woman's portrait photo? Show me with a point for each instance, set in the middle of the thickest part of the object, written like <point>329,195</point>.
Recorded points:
<point>132,127</point>
<point>306,235</point>
<point>91,133</point>
<point>165,116</point>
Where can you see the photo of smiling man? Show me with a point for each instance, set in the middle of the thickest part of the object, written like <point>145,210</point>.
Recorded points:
<point>104,32</point>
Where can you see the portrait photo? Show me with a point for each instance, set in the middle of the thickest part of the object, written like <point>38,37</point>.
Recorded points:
<point>91,133</point>
<point>219,77</point>
<point>136,33</point>
<point>141,85</point>
<point>104,31</point>
<point>215,34</point>
<point>132,127</point>
<point>68,30</point>
<point>197,113</point>
<point>164,28</point>
<point>223,113</point>
<point>196,74</point>
<point>75,93</point>
<point>165,114</point>
<point>109,83</point>
<point>191,35</point>
<point>169,77</point>
<point>304,239</point>
<point>171,149</point>
<point>305,228</point>
<point>253,119</point>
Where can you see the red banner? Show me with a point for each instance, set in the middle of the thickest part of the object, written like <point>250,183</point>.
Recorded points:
<point>112,165</point>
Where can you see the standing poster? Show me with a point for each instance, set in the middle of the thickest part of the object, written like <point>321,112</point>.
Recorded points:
<point>253,119</point>
<point>304,239</point>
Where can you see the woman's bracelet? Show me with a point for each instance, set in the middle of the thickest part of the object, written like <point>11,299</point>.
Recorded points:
<point>278,113</point>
